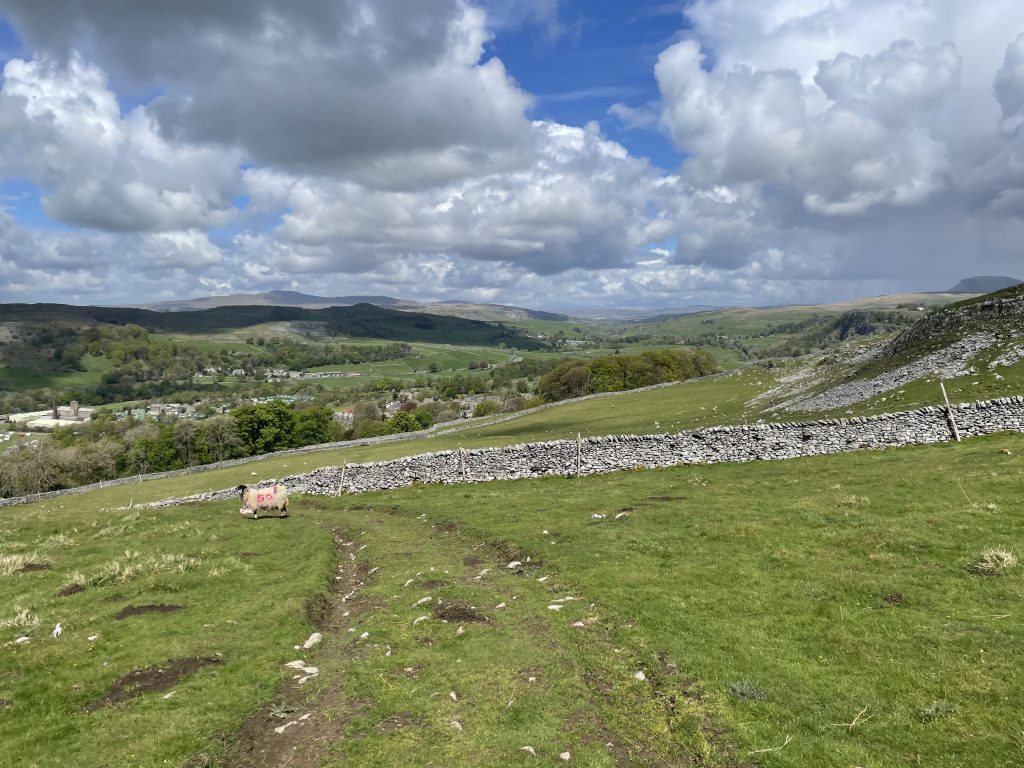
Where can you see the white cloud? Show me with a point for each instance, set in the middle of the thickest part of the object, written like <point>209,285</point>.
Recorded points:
<point>63,130</point>
<point>394,90</point>
<point>581,201</point>
<point>870,144</point>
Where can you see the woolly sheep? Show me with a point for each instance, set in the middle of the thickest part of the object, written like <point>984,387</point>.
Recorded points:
<point>257,500</point>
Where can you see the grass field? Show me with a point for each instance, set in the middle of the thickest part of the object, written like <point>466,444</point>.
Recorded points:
<point>801,613</point>
<point>16,378</point>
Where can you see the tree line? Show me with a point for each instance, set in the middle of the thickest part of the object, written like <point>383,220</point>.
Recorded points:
<point>105,448</point>
<point>617,373</point>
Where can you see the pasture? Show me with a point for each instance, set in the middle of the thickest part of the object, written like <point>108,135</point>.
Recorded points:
<point>811,612</point>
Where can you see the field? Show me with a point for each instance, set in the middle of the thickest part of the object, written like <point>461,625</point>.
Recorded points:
<point>16,378</point>
<point>801,613</point>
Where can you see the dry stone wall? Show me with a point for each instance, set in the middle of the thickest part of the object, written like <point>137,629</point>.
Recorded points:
<point>595,455</point>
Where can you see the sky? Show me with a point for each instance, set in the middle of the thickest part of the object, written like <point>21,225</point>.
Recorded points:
<point>556,154</point>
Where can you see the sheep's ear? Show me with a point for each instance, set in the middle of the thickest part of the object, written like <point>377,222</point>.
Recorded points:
<point>241,487</point>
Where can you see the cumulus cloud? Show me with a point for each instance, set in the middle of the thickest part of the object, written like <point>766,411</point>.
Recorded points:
<point>63,130</point>
<point>1009,85</point>
<point>388,87</point>
<point>863,148</point>
<point>580,202</point>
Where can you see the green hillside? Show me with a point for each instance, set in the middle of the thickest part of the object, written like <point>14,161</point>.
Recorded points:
<point>365,320</point>
<point>822,609</point>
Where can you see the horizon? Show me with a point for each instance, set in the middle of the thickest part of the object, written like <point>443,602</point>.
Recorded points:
<point>548,154</point>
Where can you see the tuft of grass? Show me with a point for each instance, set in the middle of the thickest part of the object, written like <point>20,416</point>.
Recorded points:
<point>127,567</point>
<point>131,565</point>
<point>23,617</point>
<point>994,561</point>
<point>11,564</point>
<point>60,540</point>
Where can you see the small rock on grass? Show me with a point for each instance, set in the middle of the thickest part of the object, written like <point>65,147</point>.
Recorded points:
<point>640,676</point>
<point>315,639</point>
<point>566,756</point>
<point>456,725</point>
<point>528,749</point>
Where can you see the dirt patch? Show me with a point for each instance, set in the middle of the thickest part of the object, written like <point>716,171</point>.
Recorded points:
<point>4,703</point>
<point>894,599</point>
<point>70,589</point>
<point>250,554</point>
<point>688,689</point>
<point>30,567</point>
<point>457,611</point>
<point>448,526</point>
<point>666,498</point>
<point>300,745</point>
<point>317,608</point>
<point>150,679</point>
<point>434,584</point>
<point>472,560</point>
<point>400,721</point>
<point>593,731</point>
<point>138,610</point>
<point>506,552</point>
<point>627,509</point>
<point>117,597</point>
<point>198,760</point>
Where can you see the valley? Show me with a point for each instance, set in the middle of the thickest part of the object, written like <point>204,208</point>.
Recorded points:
<point>840,609</point>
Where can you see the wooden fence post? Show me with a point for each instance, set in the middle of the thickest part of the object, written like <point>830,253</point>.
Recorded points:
<point>462,463</point>
<point>949,413</point>
<point>341,484</point>
<point>579,451</point>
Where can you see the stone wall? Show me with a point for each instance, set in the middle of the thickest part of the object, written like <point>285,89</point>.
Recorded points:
<point>595,455</point>
<point>438,429</point>
<point>754,442</point>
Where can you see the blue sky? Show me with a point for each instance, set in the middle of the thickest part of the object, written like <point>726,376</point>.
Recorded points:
<point>551,153</point>
<point>603,54</point>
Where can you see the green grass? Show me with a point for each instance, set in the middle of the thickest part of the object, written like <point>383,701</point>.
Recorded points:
<point>17,379</point>
<point>832,585</point>
<point>50,681</point>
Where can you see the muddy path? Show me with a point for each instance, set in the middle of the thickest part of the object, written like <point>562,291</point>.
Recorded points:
<point>296,730</point>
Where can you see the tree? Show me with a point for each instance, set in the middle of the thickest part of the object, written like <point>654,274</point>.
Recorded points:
<point>219,438</point>
<point>486,408</point>
<point>265,427</point>
<point>424,416</point>
<point>185,435</point>
<point>403,421</point>
<point>312,426</point>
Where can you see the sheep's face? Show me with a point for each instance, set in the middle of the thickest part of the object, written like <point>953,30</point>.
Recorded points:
<point>241,491</point>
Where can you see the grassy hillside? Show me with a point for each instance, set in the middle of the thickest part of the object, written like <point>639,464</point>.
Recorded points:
<point>803,613</point>
<point>364,320</point>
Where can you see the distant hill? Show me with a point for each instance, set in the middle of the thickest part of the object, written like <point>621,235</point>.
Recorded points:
<point>467,310</point>
<point>984,284</point>
<point>360,320</point>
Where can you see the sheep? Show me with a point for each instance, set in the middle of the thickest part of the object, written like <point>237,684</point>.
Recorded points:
<point>256,500</point>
